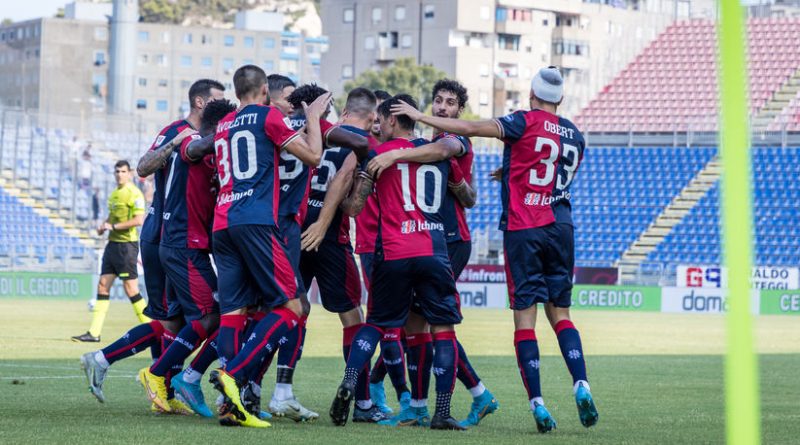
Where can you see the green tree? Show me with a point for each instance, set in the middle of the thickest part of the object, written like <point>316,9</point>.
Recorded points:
<point>405,76</point>
<point>161,11</point>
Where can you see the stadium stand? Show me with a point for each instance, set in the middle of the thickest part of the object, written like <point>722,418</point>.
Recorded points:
<point>670,86</point>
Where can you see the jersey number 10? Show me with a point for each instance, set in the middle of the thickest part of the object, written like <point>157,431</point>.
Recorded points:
<point>421,178</point>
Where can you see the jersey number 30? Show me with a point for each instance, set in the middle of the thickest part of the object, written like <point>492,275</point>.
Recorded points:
<point>423,172</point>
<point>238,140</point>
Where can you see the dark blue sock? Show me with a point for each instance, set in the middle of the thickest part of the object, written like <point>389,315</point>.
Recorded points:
<point>569,340</point>
<point>185,342</point>
<point>290,352</point>
<point>358,357</point>
<point>466,374</point>
<point>134,341</point>
<point>262,343</point>
<point>207,355</point>
<point>378,371</point>
<point>394,358</point>
<point>445,363</point>
<point>419,355</point>
<point>229,338</point>
<point>528,360</point>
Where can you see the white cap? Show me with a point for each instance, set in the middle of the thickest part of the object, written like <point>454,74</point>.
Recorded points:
<point>548,85</point>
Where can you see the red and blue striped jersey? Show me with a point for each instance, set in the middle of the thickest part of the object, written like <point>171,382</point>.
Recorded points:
<point>294,175</point>
<point>189,196</point>
<point>410,197</point>
<point>367,220</point>
<point>247,147</point>
<point>332,161</point>
<point>542,153</point>
<point>151,229</point>
<point>454,214</point>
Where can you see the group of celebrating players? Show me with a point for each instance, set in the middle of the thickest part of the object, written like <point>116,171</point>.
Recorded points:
<point>269,187</point>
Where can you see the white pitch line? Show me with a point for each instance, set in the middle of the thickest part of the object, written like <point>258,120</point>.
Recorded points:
<point>59,377</point>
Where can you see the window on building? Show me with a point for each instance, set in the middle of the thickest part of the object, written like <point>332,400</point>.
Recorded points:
<point>143,59</point>
<point>269,66</point>
<point>228,40</point>
<point>377,14</point>
<point>484,70</point>
<point>486,13</point>
<point>400,13</point>
<point>369,42</point>
<point>142,82</point>
<point>289,67</point>
<point>247,61</point>
<point>144,36</point>
<point>163,82</point>
<point>429,12</point>
<point>99,58</point>
<point>348,15</point>
<point>206,62</point>
<point>99,85</point>
<point>406,41</point>
<point>388,39</point>
<point>347,72</point>
<point>249,42</point>
<point>227,64</point>
<point>187,38</point>
<point>483,98</point>
<point>161,60</point>
<point>186,83</point>
<point>205,39</point>
<point>186,61</point>
<point>141,104</point>
<point>161,105</point>
<point>269,43</point>
<point>164,37</point>
<point>101,33</point>
<point>508,41</point>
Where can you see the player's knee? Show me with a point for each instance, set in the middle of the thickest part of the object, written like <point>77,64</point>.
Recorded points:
<point>209,322</point>
<point>173,324</point>
<point>305,304</point>
<point>295,306</point>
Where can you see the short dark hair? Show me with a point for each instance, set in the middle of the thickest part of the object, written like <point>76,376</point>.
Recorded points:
<point>452,86</point>
<point>203,89</point>
<point>382,95</point>
<point>277,82</point>
<point>361,101</point>
<point>248,79</point>
<point>385,109</point>
<point>215,111</point>
<point>305,93</point>
<point>122,163</point>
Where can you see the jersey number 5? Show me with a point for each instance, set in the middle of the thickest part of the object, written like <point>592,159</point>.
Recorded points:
<point>238,139</point>
<point>569,164</point>
<point>421,178</point>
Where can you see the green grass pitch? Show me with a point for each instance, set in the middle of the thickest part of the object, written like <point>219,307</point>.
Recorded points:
<point>656,378</point>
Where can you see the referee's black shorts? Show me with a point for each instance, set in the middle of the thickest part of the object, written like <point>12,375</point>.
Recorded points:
<point>120,259</point>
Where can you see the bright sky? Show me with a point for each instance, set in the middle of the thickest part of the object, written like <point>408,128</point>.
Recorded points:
<point>25,10</point>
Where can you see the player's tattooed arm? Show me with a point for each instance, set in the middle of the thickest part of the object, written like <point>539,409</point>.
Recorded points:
<point>200,148</point>
<point>464,192</point>
<point>485,128</point>
<point>155,159</point>
<point>337,189</point>
<point>362,188</point>
<point>339,137</point>
<point>434,152</point>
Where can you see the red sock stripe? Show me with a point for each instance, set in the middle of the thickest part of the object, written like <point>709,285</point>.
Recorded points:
<point>206,345</point>
<point>447,335</point>
<point>524,335</point>
<point>157,327</point>
<point>463,367</point>
<point>455,361</point>
<point>349,333</point>
<point>563,324</point>
<point>392,334</point>
<point>198,328</point>
<point>233,321</point>
<point>258,316</point>
<point>299,343</point>
<point>263,342</point>
<point>146,338</point>
<point>288,316</point>
<point>418,339</point>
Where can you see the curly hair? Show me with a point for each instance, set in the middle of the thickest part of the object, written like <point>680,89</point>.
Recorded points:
<point>305,93</point>
<point>451,86</point>
<point>215,111</point>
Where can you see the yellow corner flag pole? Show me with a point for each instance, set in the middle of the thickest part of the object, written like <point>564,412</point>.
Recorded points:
<point>741,375</point>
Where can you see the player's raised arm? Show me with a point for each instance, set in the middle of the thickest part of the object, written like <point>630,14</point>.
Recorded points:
<point>309,149</point>
<point>363,185</point>
<point>485,128</point>
<point>434,152</point>
<point>337,190</point>
<point>339,137</point>
<point>155,159</point>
